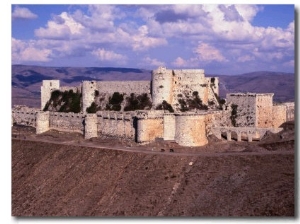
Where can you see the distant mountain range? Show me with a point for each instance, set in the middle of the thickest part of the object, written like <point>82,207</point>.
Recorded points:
<point>26,81</point>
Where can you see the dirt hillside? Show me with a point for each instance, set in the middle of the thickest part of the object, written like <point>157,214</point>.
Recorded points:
<point>58,180</point>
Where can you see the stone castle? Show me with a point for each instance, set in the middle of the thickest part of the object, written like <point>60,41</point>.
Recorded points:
<point>247,115</point>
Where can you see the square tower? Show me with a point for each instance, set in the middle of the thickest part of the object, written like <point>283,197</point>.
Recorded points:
<point>46,89</point>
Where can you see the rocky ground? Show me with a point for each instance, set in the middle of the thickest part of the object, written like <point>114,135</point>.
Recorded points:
<point>61,174</point>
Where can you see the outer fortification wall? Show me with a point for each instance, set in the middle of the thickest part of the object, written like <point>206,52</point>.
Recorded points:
<point>24,116</point>
<point>90,126</point>
<point>47,87</point>
<point>264,110</point>
<point>279,115</point>
<point>169,126</point>
<point>117,124</point>
<point>71,122</point>
<point>42,122</point>
<point>149,126</point>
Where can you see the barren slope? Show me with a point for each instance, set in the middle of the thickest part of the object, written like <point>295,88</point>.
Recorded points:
<point>58,180</point>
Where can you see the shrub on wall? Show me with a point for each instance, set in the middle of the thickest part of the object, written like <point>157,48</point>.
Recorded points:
<point>233,115</point>
<point>66,101</point>
<point>139,102</point>
<point>93,108</point>
<point>115,101</point>
<point>165,106</point>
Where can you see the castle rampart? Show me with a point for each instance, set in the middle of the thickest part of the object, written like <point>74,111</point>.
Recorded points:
<point>71,122</point>
<point>117,124</point>
<point>244,114</point>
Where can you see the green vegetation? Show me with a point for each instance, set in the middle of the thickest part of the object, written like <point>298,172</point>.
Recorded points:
<point>233,115</point>
<point>139,102</point>
<point>220,100</point>
<point>165,106</point>
<point>67,101</point>
<point>115,102</point>
<point>190,104</point>
<point>92,109</point>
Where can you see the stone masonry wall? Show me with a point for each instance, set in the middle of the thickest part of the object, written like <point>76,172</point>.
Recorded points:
<point>246,108</point>
<point>173,85</point>
<point>190,130</point>
<point>279,115</point>
<point>25,116</point>
<point>88,94</point>
<point>149,129</point>
<point>264,108</point>
<point>169,126</point>
<point>117,124</point>
<point>42,122</point>
<point>149,126</point>
<point>90,126</point>
<point>71,122</point>
<point>137,87</point>
<point>162,85</point>
<point>290,110</point>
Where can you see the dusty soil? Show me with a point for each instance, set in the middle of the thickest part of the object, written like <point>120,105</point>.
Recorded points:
<point>61,174</point>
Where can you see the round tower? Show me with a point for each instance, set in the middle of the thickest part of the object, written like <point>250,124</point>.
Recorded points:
<point>162,86</point>
<point>90,129</point>
<point>42,122</point>
<point>190,129</point>
<point>88,94</point>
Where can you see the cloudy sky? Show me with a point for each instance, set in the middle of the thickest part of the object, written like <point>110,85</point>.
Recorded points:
<point>222,39</point>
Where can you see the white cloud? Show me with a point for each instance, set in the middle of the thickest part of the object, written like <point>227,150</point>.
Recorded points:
<point>23,13</point>
<point>62,26</point>
<point>29,51</point>
<point>104,55</point>
<point>182,63</point>
<point>141,41</point>
<point>147,61</point>
<point>208,53</point>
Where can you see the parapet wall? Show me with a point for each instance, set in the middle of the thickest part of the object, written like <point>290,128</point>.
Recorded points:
<point>70,122</point>
<point>118,124</point>
<point>24,116</point>
<point>128,87</point>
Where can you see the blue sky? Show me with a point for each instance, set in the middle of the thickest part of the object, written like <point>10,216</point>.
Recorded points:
<point>222,39</point>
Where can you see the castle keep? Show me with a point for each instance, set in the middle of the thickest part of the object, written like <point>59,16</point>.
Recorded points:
<point>245,114</point>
